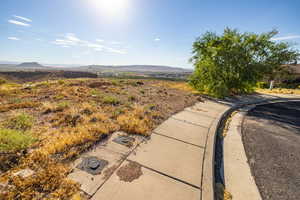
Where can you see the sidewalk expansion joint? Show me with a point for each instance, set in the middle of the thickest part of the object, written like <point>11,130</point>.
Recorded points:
<point>161,173</point>
<point>189,122</point>
<point>200,113</point>
<point>178,140</point>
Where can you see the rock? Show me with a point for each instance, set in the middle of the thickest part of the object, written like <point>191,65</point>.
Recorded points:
<point>24,173</point>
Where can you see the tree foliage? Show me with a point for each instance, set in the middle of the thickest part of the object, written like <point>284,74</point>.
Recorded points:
<point>234,62</point>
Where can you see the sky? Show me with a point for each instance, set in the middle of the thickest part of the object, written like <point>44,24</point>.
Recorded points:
<point>125,32</point>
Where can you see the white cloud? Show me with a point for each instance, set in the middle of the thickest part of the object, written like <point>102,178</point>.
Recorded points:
<point>115,43</point>
<point>23,18</point>
<point>13,38</point>
<point>111,50</point>
<point>70,39</point>
<point>286,37</point>
<point>18,23</point>
<point>157,39</point>
<point>99,40</point>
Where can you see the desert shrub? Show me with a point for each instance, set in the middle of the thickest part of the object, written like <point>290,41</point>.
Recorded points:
<point>63,105</point>
<point>98,117</point>
<point>232,63</point>
<point>117,112</point>
<point>15,100</point>
<point>27,104</point>
<point>135,122</point>
<point>21,121</point>
<point>14,140</point>
<point>2,81</point>
<point>49,180</point>
<point>43,84</point>
<point>61,82</point>
<point>111,100</point>
<point>96,93</point>
<point>132,98</point>
<point>115,82</point>
<point>87,108</point>
<point>49,107</point>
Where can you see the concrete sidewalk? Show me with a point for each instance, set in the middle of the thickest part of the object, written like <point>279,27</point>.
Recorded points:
<point>175,164</point>
<point>170,162</point>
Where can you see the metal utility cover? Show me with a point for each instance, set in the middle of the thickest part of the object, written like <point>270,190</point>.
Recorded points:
<point>92,165</point>
<point>124,140</point>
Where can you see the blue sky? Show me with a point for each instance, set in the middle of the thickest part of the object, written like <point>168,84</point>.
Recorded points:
<point>121,32</point>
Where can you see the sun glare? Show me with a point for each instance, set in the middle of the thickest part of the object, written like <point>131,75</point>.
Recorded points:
<point>111,7</point>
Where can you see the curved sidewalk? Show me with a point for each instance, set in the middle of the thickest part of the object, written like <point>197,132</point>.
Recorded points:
<point>177,163</point>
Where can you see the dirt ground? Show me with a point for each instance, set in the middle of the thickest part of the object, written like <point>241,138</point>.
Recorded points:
<point>71,115</point>
<point>271,136</point>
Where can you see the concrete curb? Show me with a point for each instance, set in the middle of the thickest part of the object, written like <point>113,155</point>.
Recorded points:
<point>208,175</point>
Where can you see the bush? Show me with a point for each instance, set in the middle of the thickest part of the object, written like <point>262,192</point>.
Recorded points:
<point>20,122</point>
<point>111,100</point>
<point>2,81</point>
<point>262,85</point>
<point>14,140</point>
<point>234,62</point>
<point>132,98</point>
<point>63,105</point>
<point>61,82</point>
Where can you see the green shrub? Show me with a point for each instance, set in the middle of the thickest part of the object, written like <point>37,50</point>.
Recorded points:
<point>62,105</point>
<point>96,93</point>
<point>111,100</point>
<point>61,82</point>
<point>262,85</point>
<point>115,82</point>
<point>21,121</point>
<point>232,63</point>
<point>14,140</point>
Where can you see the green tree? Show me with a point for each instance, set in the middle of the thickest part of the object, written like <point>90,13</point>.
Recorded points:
<point>234,62</point>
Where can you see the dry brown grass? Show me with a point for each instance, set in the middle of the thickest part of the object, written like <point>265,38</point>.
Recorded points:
<point>279,91</point>
<point>73,115</point>
<point>48,182</point>
<point>177,85</point>
<point>135,122</point>
<point>15,106</point>
<point>222,193</point>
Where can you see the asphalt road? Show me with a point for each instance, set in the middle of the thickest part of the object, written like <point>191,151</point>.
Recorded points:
<point>271,136</point>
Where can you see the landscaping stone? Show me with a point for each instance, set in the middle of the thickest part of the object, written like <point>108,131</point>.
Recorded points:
<point>150,185</point>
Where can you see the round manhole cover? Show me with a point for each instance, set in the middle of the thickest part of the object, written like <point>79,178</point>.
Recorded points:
<point>92,165</point>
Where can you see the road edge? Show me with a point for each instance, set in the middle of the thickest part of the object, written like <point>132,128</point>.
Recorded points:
<point>208,174</point>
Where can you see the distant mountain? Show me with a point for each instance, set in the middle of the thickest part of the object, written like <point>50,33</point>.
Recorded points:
<point>8,66</point>
<point>29,65</point>
<point>24,67</point>
<point>132,68</point>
